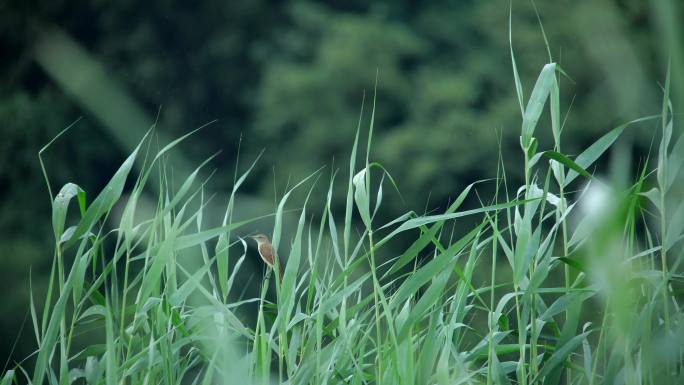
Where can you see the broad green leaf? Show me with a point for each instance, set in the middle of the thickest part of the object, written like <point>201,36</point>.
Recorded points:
<point>361,197</point>
<point>278,225</point>
<point>426,237</point>
<point>7,378</point>
<point>562,303</point>
<point>105,200</point>
<point>593,152</point>
<point>516,76</point>
<point>498,373</point>
<point>561,354</point>
<point>222,249</point>
<point>524,254</point>
<point>675,226</point>
<point>662,171</point>
<point>574,263</point>
<point>426,220</point>
<point>430,297</point>
<point>557,156</point>
<point>111,354</point>
<point>653,196</point>
<point>60,206</point>
<point>431,269</point>
<point>535,104</point>
<point>178,297</point>
<point>675,161</point>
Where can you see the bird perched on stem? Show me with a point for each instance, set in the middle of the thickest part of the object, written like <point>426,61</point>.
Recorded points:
<point>267,253</point>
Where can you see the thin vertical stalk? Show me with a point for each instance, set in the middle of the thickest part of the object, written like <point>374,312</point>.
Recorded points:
<point>376,305</point>
<point>492,321</point>
<point>521,340</point>
<point>495,244</point>
<point>663,259</point>
<point>521,328</point>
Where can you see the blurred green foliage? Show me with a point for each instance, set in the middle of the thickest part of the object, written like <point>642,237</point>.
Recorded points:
<point>289,76</point>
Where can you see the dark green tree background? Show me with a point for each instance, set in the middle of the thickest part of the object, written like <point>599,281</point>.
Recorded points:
<point>289,76</point>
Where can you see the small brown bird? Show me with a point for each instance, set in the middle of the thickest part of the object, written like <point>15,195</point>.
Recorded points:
<point>267,253</point>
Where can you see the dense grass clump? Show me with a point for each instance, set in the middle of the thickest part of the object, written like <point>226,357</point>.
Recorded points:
<point>565,279</point>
